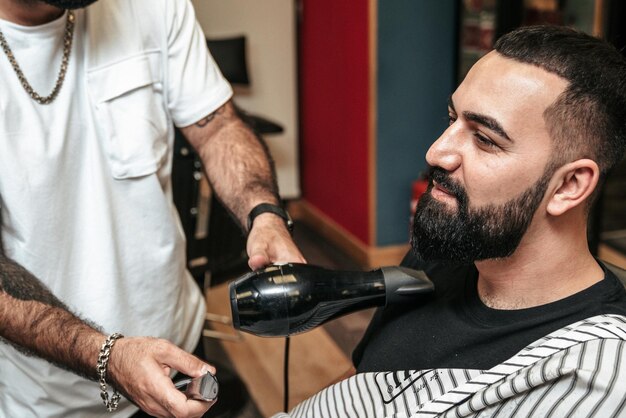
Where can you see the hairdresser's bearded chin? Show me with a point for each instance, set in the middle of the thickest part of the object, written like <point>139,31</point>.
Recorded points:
<point>465,235</point>
<point>69,4</point>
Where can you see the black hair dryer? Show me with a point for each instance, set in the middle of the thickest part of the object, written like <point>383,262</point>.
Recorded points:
<point>288,299</point>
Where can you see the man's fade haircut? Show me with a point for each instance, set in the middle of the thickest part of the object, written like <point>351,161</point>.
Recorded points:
<point>588,120</point>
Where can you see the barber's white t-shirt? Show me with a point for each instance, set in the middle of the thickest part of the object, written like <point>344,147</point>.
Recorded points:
<point>85,188</point>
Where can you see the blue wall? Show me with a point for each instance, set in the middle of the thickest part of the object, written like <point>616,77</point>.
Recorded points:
<point>416,58</point>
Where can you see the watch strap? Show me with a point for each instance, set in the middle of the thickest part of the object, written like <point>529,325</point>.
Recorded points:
<point>269,208</point>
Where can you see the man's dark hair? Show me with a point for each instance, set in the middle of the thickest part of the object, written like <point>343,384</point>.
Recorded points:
<point>588,120</point>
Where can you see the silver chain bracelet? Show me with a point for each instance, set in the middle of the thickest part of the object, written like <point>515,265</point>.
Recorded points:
<point>101,368</point>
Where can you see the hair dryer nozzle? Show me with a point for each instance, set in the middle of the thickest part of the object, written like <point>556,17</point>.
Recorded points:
<point>292,298</point>
<point>401,283</point>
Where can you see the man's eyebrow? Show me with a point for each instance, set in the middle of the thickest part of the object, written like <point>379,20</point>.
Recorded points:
<point>487,121</point>
<point>484,120</point>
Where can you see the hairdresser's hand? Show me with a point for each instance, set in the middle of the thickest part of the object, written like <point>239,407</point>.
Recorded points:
<point>269,242</point>
<point>140,369</point>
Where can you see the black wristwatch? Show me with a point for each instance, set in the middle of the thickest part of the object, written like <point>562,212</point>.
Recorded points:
<point>268,207</point>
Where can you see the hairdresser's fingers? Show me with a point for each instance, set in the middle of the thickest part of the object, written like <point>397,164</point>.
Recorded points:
<point>269,242</point>
<point>140,367</point>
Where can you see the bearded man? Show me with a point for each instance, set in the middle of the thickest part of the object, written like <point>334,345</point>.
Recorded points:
<point>89,98</point>
<point>524,321</point>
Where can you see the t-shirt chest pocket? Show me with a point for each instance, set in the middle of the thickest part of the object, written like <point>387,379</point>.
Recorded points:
<point>127,99</point>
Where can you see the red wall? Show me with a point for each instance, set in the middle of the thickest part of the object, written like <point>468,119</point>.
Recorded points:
<point>334,84</point>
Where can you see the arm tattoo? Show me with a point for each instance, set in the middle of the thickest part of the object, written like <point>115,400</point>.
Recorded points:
<point>37,323</point>
<point>204,122</point>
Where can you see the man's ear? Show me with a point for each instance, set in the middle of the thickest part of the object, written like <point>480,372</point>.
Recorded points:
<point>576,182</point>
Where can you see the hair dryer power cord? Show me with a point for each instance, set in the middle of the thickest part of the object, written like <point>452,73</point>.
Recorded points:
<point>286,375</point>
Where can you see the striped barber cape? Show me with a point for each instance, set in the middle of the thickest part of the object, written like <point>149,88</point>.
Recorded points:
<point>576,371</point>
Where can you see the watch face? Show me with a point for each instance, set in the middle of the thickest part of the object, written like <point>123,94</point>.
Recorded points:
<point>269,208</point>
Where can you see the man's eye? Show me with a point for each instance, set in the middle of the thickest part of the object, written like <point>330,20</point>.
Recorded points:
<point>451,119</point>
<point>484,141</point>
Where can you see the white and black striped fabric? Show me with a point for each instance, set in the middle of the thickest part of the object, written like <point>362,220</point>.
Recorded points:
<point>576,371</point>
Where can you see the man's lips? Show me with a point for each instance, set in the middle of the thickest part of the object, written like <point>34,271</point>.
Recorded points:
<point>439,191</point>
<point>441,188</point>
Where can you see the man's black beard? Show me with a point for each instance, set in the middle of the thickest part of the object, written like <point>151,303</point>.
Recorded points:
<point>467,235</point>
<point>69,4</point>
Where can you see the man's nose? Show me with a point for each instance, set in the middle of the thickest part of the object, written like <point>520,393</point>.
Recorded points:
<point>445,152</point>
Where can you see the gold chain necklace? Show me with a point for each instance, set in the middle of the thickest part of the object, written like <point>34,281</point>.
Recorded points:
<point>67,48</point>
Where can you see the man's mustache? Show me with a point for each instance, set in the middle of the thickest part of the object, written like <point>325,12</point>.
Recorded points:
<point>443,178</point>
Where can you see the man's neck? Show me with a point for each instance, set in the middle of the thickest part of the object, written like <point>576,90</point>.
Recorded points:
<point>543,269</point>
<point>28,12</point>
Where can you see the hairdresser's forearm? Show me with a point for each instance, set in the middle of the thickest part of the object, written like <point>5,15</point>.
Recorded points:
<point>236,161</point>
<point>34,321</point>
